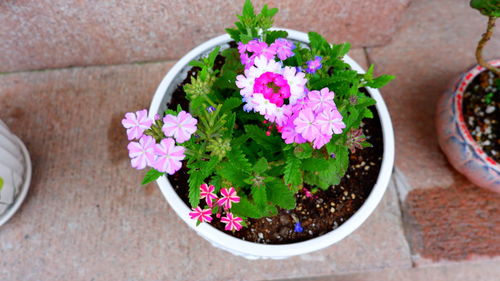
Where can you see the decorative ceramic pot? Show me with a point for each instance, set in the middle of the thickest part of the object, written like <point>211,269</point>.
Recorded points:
<point>252,250</point>
<point>15,171</point>
<point>455,140</point>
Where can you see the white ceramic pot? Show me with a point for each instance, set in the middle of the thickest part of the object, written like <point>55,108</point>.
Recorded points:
<point>252,250</point>
<point>15,170</point>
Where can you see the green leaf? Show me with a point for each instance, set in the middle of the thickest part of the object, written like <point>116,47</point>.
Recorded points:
<point>1,183</point>
<point>303,151</point>
<point>340,50</point>
<point>150,176</point>
<point>270,143</point>
<point>212,56</point>
<point>230,104</point>
<point>292,173</point>
<point>380,81</point>
<point>314,164</point>
<point>318,42</point>
<point>238,160</point>
<point>259,196</point>
<point>196,64</point>
<point>279,194</point>
<point>234,33</point>
<point>271,36</point>
<point>196,178</point>
<point>261,166</point>
<point>248,10</point>
<point>246,209</point>
<point>235,176</point>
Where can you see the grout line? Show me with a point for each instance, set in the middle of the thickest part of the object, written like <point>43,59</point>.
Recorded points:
<point>86,66</point>
<point>367,56</point>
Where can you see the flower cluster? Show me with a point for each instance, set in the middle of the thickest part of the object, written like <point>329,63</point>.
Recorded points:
<point>255,48</point>
<point>228,196</point>
<point>280,94</point>
<point>164,156</point>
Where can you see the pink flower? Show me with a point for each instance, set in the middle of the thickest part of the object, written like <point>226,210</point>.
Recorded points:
<point>142,152</point>
<point>207,192</point>
<point>232,222</point>
<point>169,156</point>
<point>136,123</point>
<point>181,127</point>
<point>203,215</point>
<point>253,49</point>
<point>320,100</point>
<point>330,121</point>
<point>321,140</point>
<point>283,48</point>
<point>228,197</point>
<point>306,125</point>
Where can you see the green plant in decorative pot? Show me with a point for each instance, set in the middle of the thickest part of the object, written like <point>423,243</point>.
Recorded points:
<point>468,113</point>
<point>268,142</point>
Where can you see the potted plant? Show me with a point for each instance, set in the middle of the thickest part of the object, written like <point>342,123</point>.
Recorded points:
<point>15,173</point>
<point>268,142</point>
<point>467,119</point>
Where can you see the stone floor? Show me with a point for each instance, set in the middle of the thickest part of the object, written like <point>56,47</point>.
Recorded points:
<point>87,218</point>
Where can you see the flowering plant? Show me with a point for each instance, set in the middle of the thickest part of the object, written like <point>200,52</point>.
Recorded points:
<point>276,115</point>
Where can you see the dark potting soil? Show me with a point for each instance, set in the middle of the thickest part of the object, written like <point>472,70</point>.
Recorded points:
<point>324,211</point>
<point>481,109</point>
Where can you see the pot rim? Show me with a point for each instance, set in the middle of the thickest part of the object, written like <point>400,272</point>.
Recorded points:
<point>458,93</point>
<point>257,250</point>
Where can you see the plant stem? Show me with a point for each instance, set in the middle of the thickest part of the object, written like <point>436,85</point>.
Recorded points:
<point>484,39</point>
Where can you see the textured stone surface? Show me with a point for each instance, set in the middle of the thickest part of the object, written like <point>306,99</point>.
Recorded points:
<point>57,33</point>
<point>87,218</point>
<point>446,217</point>
<point>463,272</point>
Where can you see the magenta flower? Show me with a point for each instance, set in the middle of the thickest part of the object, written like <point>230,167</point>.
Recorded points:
<point>283,48</point>
<point>330,121</point>
<point>142,153</point>
<point>320,100</point>
<point>306,124</point>
<point>136,123</point>
<point>169,156</point>
<point>203,215</point>
<point>228,197</point>
<point>181,127</point>
<point>232,222</point>
<point>314,65</point>
<point>207,192</point>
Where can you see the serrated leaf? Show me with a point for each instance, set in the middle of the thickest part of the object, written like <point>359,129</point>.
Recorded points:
<point>279,194</point>
<point>318,42</point>
<point>271,36</point>
<point>340,50</point>
<point>248,10</point>
<point>259,196</point>
<point>292,174</point>
<point>303,151</point>
<point>380,81</point>
<point>235,176</point>
<point>239,161</point>
<point>230,104</point>
<point>150,176</point>
<point>212,56</point>
<point>246,209</point>
<point>261,166</point>
<point>195,180</point>
<point>259,136</point>
<point>314,164</point>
